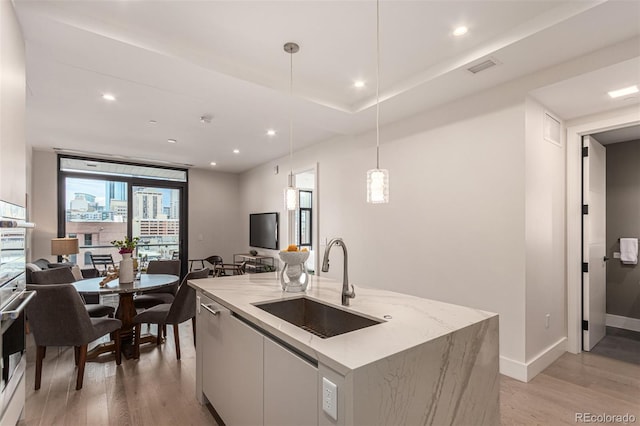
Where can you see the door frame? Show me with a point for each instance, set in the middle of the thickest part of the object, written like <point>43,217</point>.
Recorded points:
<point>315,227</point>
<point>603,122</point>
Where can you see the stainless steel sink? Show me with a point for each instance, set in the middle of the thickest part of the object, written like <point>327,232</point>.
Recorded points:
<point>315,317</point>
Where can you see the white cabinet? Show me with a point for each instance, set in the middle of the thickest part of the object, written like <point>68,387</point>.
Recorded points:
<point>291,388</point>
<point>232,371</point>
<point>248,378</point>
<point>13,148</point>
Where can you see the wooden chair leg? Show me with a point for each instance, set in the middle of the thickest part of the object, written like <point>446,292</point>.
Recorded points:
<point>40,352</point>
<point>176,337</point>
<point>164,330</point>
<point>76,354</point>
<point>81,363</point>
<point>136,349</point>
<point>159,337</point>
<point>193,325</point>
<point>116,338</point>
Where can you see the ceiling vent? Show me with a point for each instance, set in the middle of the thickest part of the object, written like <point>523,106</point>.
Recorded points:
<point>486,64</point>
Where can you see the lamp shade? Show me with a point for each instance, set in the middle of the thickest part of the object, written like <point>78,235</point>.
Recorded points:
<point>377,186</point>
<point>64,246</point>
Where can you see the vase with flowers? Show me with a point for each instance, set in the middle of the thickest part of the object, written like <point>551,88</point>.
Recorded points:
<point>126,248</point>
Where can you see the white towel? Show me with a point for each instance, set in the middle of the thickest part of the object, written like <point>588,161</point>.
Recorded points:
<point>629,251</point>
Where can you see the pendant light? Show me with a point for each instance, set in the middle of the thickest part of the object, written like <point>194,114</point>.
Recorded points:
<point>377,179</point>
<point>291,193</point>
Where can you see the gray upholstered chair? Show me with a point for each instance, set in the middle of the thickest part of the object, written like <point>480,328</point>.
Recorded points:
<point>182,309</point>
<point>57,317</point>
<point>65,276</point>
<point>43,264</point>
<point>165,294</point>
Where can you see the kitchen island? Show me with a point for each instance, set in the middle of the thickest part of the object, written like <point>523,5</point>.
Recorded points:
<point>426,362</point>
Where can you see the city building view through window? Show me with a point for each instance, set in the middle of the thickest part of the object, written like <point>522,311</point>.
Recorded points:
<point>97,212</point>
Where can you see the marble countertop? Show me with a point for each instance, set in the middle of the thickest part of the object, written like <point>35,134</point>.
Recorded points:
<point>409,321</point>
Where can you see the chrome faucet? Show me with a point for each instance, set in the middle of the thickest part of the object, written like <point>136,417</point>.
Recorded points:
<point>346,294</point>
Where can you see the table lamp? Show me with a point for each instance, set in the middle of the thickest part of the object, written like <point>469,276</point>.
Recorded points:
<point>64,247</point>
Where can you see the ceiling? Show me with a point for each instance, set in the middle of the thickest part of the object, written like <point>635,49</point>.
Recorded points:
<point>623,134</point>
<point>168,63</point>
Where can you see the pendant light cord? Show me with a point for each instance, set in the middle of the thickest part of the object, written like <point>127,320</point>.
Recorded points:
<point>377,84</point>
<point>291,120</point>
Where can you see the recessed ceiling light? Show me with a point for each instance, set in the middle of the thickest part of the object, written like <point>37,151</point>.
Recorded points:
<point>172,140</point>
<point>236,151</point>
<point>359,84</point>
<point>108,97</point>
<point>153,122</point>
<point>271,132</point>
<point>213,163</point>
<point>623,92</point>
<point>460,31</point>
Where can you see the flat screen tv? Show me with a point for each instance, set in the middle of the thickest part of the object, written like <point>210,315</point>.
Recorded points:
<point>263,230</point>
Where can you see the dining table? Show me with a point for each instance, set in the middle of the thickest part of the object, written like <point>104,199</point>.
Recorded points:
<point>126,310</point>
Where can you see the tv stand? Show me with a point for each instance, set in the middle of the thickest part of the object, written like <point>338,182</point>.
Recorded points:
<point>257,263</point>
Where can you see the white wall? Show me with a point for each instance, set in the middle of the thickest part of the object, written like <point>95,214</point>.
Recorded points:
<point>13,171</point>
<point>464,179</point>
<point>214,215</point>
<point>454,229</point>
<point>44,204</point>
<point>545,235</point>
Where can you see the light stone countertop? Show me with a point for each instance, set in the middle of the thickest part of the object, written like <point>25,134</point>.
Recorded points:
<point>414,321</point>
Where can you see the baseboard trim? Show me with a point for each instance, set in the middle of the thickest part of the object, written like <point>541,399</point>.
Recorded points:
<point>546,358</point>
<point>514,369</point>
<point>626,323</point>
<point>527,371</point>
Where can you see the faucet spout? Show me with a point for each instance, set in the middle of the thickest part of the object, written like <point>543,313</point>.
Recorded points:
<point>346,292</point>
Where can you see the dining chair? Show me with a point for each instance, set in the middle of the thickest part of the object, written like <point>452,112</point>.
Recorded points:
<point>235,268</point>
<point>102,260</point>
<point>182,309</point>
<point>214,260</point>
<point>65,276</point>
<point>164,295</point>
<point>58,318</point>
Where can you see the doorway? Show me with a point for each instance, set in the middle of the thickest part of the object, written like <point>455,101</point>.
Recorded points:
<point>621,118</point>
<point>303,222</point>
<point>156,221</point>
<point>622,317</point>
<point>611,200</point>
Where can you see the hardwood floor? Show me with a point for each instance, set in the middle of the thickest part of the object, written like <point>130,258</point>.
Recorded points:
<point>620,344</point>
<point>583,383</point>
<point>159,390</point>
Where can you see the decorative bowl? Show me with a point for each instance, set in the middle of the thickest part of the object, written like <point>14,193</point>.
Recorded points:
<point>294,257</point>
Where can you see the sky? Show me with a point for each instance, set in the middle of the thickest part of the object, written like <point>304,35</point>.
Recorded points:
<point>97,188</point>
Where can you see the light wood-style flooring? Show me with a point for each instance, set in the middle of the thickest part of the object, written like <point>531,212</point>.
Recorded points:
<point>159,390</point>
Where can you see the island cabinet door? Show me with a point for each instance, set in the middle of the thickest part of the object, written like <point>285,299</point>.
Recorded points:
<point>290,388</point>
<point>232,367</point>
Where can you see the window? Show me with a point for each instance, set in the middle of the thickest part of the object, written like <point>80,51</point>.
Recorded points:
<point>101,201</point>
<point>303,219</point>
